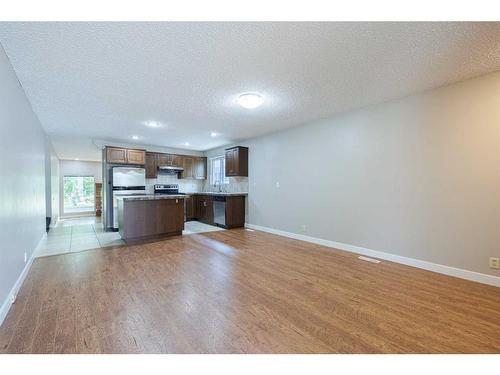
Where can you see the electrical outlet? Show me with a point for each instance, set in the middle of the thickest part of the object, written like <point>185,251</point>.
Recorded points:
<point>277,185</point>
<point>495,263</point>
<point>25,257</point>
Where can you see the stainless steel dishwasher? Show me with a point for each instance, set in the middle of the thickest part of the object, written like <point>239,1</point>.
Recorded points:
<point>219,210</point>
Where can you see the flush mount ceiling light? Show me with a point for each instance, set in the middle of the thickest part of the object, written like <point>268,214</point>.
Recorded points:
<point>213,134</point>
<point>135,137</point>
<point>186,143</point>
<point>250,100</point>
<point>153,124</point>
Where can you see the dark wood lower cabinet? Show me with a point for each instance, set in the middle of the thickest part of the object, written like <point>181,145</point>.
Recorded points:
<point>142,219</point>
<point>235,211</point>
<point>201,208</point>
<point>204,209</point>
<point>190,207</point>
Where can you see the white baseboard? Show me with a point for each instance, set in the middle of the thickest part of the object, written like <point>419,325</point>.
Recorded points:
<point>19,282</point>
<point>439,268</point>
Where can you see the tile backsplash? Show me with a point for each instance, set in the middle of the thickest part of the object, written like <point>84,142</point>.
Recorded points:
<point>236,185</point>
<point>185,186</point>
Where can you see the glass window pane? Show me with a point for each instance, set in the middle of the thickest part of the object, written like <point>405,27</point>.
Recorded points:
<point>79,194</point>
<point>218,171</point>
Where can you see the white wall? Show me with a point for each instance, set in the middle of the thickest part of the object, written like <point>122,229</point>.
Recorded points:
<point>418,177</point>
<point>77,168</point>
<point>55,180</point>
<point>22,181</point>
<point>51,182</point>
<point>48,195</point>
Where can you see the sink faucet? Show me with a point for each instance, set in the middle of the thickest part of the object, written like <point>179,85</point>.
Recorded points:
<point>220,186</point>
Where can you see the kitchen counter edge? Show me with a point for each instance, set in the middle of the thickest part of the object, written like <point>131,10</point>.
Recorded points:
<point>150,197</point>
<point>175,196</point>
<point>222,194</point>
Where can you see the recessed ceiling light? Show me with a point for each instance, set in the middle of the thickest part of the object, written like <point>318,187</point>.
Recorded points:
<point>186,143</point>
<point>213,134</point>
<point>135,137</point>
<point>153,124</point>
<point>77,159</point>
<point>250,100</point>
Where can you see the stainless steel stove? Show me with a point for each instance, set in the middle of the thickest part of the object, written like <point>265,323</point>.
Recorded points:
<point>170,189</point>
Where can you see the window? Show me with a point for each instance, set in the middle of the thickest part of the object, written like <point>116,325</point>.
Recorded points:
<point>78,194</point>
<point>218,171</point>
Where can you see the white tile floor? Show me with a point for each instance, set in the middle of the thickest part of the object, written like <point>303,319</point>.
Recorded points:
<point>77,234</point>
<point>85,233</point>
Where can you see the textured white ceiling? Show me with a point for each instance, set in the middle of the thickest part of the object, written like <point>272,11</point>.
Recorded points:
<point>102,80</point>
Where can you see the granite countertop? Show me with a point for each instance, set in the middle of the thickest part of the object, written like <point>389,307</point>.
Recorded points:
<point>147,197</point>
<point>237,194</point>
<point>150,197</point>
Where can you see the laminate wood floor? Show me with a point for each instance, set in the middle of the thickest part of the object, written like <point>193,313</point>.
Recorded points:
<point>238,291</point>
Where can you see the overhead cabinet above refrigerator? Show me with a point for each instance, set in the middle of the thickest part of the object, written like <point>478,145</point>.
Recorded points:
<point>115,155</point>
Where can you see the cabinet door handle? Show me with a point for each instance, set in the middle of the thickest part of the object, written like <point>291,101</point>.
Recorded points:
<point>176,201</point>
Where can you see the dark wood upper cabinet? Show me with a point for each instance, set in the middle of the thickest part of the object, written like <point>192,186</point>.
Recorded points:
<point>236,161</point>
<point>188,166</point>
<point>151,165</point>
<point>229,162</point>
<point>177,160</point>
<point>200,168</point>
<point>170,159</point>
<point>195,167</point>
<point>136,156</point>
<point>115,155</point>
<point>164,159</point>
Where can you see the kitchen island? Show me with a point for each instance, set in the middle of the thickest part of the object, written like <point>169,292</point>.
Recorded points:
<point>149,217</point>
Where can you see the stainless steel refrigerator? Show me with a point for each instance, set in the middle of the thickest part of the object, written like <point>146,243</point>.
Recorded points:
<point>123,181</point>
